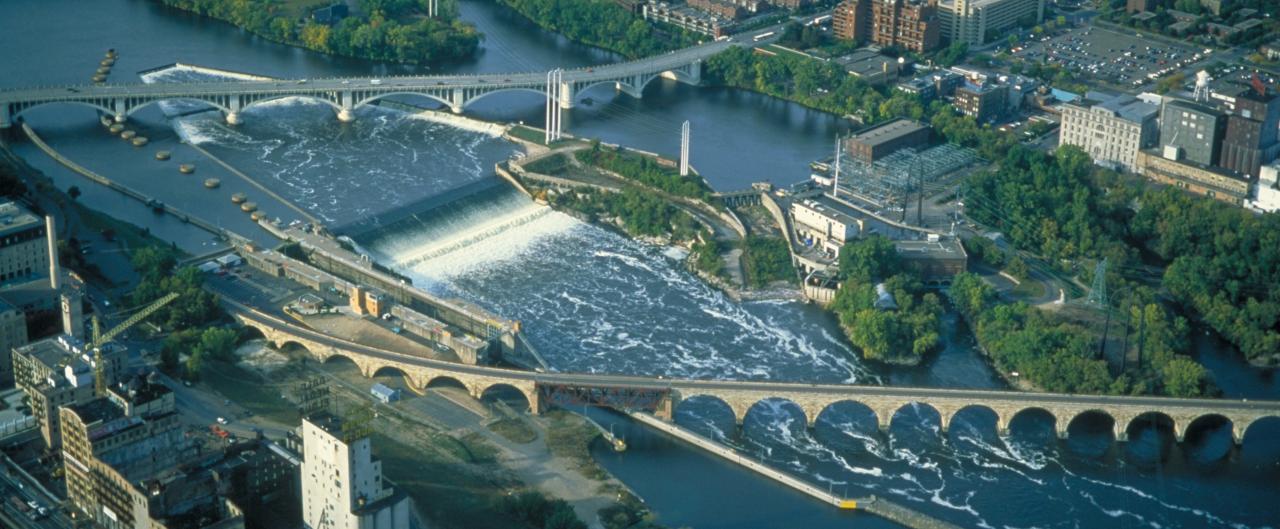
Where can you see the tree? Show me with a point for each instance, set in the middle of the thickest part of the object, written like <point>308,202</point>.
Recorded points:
<point>73,192</point>
<point>1183,378</point>
<point>869,259</point>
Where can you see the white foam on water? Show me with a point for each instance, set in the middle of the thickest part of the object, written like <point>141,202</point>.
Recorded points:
<point>492,130</point>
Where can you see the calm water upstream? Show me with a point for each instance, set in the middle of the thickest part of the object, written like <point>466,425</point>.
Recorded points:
<point>593,301</point>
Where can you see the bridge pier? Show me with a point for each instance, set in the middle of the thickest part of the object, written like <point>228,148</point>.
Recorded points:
<point>566,95</point>
<point>6,120</point>
<point>456,100</point>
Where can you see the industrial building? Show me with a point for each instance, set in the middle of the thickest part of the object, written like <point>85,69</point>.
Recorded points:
<point>1111,128</point>
<point>1266,196</point>
<point>874,143</point>
<point>1193,130</point>
<point>342,483</point>
<point>1253,125</point>
<point>937,259</point>
<point>1214,182</point>
<point>977,22</point>
<point>821,225</point>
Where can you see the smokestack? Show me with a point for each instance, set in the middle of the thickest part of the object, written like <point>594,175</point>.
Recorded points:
<point>51,235</point>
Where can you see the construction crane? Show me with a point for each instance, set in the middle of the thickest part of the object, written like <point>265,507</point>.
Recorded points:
<point>100,338</point>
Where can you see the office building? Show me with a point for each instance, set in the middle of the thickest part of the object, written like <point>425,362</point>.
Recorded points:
<point>13,333</point>
<point>984,102</point>
<point>908,24</point>
<point>874,143</point>
<point>60,371</point>
<point>1110,128</point>
<point>131,433</point>
<point>342,483</point>
<point>24,250</point>
<point>1195,131</point>
<point>1253,117</point>
<point>851,20</point>
<point>977,22</point>
<point>1139,6</point>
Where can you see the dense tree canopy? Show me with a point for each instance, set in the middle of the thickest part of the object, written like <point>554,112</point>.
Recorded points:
<point>900,335</point>
<point>604,24</point>
<point>392,30</point>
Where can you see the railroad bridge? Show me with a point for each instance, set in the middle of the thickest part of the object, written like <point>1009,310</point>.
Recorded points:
<point>346,95</point>
<point>663,396</point>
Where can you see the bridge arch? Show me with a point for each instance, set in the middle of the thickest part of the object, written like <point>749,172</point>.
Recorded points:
<point>847,424</point>
<point>375,97</point>
<point>714,429</point>
<point>508,394</point>
<point>445,381</point>
<point>277,97</point>
<point>780,406</point>
<point>923,409</point>
<point>387,370</point>
<point>988,420</point>
<point>22,108</point>
<point>1245,430</point>
<point>215,105</point>
<point>540,92</point>
<point>292,346</point>
<point>1203,437</point>
<point>1021,416</point>
<point>334,360</point>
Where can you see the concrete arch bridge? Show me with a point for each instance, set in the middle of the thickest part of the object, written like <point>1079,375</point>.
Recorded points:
<point>664,396</point>
<point>346,95</point>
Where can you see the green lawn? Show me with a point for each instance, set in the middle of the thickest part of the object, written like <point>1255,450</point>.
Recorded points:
<point>515,430</point>
<point>449,493</point>
<point>248,389</point>
<point>1029,289</point>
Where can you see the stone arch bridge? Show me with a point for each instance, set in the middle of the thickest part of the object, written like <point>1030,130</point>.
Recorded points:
<point>346,95</point>
<point>663,396</point>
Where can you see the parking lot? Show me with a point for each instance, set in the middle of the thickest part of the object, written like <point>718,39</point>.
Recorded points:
<point>1120,59</point>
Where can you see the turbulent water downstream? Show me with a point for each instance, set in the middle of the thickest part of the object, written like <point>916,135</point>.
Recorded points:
<point>594,301</point>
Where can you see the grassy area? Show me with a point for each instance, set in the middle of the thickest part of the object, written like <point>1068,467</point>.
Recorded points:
<point>551,165</point>
<point>1029,289</point>
<point>448,492</point>
<point>247,388</point>
<point>128,235</point>
<point>569,436</point>
<point>514,429</point>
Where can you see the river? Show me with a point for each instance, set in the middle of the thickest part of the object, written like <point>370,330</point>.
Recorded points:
<point>591,300</point>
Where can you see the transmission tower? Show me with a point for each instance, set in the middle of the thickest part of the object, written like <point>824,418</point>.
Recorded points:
<point>1098,294</point>
<point>684,149</point>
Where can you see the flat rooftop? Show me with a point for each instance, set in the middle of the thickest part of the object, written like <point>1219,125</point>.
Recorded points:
<point>887,132</point>
<point>14,217</point>
<point>943,249</point>
<point>829,209</point>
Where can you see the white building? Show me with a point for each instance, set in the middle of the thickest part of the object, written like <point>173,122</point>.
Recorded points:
<point>1110,128</point>
<point>342,485</point>
<point>973,21</point>
<point>1267,191</point>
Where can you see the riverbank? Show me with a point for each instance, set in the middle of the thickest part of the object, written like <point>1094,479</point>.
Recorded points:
<point>406,35</point>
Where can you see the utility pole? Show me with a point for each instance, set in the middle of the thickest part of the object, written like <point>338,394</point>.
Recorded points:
<point>684,148</point>
<point>433,8</point>
<point>835,182</point>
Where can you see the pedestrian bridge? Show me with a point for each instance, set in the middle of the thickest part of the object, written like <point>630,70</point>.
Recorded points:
<point>663,396</point>
<point>346,95</point>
